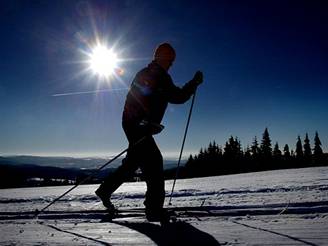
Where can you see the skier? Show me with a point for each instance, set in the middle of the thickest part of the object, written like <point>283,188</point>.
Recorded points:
<point>150,92</point>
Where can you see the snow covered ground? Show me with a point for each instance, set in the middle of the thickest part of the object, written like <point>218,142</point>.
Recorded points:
<point>284,207</point>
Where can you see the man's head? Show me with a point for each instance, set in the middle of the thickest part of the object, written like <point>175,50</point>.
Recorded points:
<point>164,55</point>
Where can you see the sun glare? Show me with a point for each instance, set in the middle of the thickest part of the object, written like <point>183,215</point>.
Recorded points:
<point>103,61</point>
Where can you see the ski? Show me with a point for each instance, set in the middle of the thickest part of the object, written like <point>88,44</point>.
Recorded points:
<point>118,214</point>
<point>179,212</point>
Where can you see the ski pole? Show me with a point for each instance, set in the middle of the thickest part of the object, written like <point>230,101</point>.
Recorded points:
<point>183,142</point>
<point>88,177</point>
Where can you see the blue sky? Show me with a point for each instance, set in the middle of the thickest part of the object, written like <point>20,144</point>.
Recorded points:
<point>264,63</point>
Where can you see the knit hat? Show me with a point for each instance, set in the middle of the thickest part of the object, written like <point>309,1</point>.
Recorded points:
<point>164,52</point>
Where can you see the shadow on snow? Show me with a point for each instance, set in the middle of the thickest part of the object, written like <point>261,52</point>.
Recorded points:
<point>178,233</point>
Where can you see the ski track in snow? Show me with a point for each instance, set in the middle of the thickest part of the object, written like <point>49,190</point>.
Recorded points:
<point>275,207</point>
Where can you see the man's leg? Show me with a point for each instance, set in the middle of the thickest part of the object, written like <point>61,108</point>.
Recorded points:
<point>152,168</point>
<point>114,180</point>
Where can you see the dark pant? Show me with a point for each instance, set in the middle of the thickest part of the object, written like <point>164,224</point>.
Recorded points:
<point>146,155</point>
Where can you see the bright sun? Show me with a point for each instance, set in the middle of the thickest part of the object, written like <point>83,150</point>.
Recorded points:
<point>103,61</point>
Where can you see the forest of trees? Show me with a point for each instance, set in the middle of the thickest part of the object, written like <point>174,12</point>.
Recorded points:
<point>232,158</point>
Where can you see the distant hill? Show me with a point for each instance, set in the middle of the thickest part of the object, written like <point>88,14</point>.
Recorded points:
<point>23,171</point>
<point>63,162</point>
<point>13,174</point>
<point>71,162</point>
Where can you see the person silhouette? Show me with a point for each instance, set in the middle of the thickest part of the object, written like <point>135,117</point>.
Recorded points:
<point>150,92</point>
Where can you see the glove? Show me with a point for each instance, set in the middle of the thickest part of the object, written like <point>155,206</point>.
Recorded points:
<point>198,78</point>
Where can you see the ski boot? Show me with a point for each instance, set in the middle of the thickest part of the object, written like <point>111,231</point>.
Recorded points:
<point>112,211</point>
<point>159,215</point>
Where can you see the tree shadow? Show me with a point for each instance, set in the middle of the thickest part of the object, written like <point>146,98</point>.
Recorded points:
<point>178,233</point>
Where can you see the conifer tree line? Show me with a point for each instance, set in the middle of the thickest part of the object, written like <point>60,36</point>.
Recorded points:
<point>260,156</point>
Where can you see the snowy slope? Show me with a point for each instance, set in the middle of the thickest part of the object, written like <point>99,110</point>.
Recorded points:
<point>276,207</point>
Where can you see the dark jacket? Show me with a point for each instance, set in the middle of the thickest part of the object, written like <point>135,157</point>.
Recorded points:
<point>150,92</point>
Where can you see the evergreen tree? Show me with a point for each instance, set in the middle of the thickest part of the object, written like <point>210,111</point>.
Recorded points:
<point>190,160</point>
<point>229,147</point>
<point>299,150</point>
<point>201,155</point>
<point>317,151</point>
<point>255,148</point>
<point>209,162</point>
<point>266,149</point>
<point>219,150</point>
<point>307,150</point>
<point>276,151</point>
<point>247,153</point>
<point>292,153</point>
<point>286,152</point>
<point>277,157</point>
<point>232,155</point>
<point>212,149</point>
<point>239,150</point>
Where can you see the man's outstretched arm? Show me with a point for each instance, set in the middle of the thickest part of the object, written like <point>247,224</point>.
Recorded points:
<point>179,95</point>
